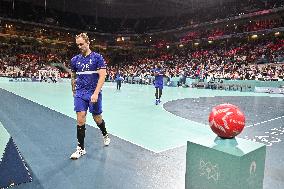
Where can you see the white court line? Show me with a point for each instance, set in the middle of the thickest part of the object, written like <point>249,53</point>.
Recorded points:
<point>264,122</point>
<point>91,125</point>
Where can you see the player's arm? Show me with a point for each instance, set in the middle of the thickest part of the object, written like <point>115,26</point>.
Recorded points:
<point>73,82</point>
<point>159,73</point>
<point>72,72</point>
<point>102,76</point>
<point>156,73</point>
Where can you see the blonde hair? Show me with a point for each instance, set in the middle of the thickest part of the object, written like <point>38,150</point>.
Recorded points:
<point>83,36</point>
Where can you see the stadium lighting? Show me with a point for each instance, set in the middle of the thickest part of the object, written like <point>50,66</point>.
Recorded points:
<point>254,36</point>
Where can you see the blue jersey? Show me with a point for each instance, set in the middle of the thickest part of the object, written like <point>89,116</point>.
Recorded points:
<point>159,75</point>
<point>118,77</point>
<point>86,70</point>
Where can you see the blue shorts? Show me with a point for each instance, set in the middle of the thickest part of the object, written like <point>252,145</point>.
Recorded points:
<point>84,103</point>
<point>159,84</point>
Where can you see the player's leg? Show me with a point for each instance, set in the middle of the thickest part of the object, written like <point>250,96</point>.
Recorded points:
<point>119,84</point>
<point>157,95</point>
<point>160,94</point>
<point>80,106</point>
<point>96,110</point>
<point>81,128</point>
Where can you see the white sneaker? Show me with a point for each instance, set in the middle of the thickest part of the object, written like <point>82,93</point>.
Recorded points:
<point>106,140</point>
<point>78,153</point>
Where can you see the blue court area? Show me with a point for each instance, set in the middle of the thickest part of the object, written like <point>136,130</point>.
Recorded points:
<point>148,141</point>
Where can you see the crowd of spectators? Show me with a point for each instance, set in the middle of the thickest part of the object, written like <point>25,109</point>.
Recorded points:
<point>262,58</point>
<point>254,60</point>
<point>247,60</point>
<point>230,28</point>
<point>26,60</point>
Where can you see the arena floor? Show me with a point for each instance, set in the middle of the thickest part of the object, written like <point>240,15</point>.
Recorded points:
<point>148,142</point>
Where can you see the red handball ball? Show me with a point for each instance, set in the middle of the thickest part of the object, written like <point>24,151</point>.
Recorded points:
<point>226,120</point>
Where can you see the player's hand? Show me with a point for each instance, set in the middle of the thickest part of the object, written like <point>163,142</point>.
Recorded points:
<point>94,98</point>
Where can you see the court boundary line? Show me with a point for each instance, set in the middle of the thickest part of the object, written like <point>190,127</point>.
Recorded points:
<point>259,123</point>
<point>179,146</point>
<point>162,104</point>
<point>87,124</point>
<point>252,125</point>
<point>157,152</point>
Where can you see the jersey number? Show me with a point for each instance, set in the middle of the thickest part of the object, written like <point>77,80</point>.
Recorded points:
<point>85,67</point>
